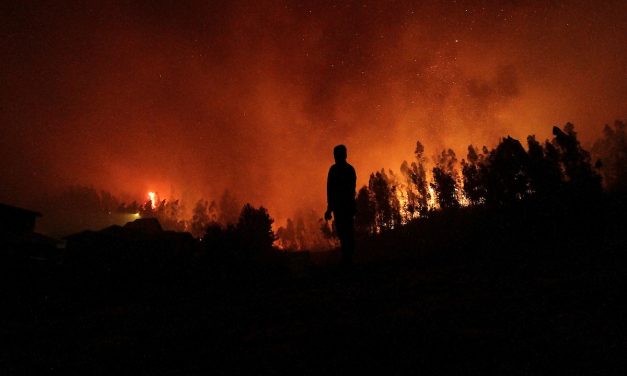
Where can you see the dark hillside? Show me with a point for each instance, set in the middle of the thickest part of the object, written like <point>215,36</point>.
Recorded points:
<point>534,288</point>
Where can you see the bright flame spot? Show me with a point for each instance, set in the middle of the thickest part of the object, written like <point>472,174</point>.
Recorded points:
<point>402,200</point>
<point>463,200</point>
<point>432,199</point>
<point>152,196</point>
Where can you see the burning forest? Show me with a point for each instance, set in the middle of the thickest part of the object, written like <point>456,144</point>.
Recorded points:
<point>498,176</point>
<point>194,100</point>
<point>163,206</point>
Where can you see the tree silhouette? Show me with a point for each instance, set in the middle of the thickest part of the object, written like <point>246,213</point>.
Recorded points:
<point>286,236</point>
<point>473,172</point>
<point>576,161</point>
<point>146,210</point>
<point>306,231</point>
<point>445,180</point>
<point>201,217</point>
<point>300,233</point>
<point>417,191</point>
<point>229,208</point>
<point>507,177</point>
<point>365,218</point>
<point>169,215</point>
<point>382,193</point>
<point>254,230</point>
<point>419,178</point>
<point>410,207</point>
<point>545,175</point>
<point>612,152</point>
<point>220,242</point>
<point>395,205</point>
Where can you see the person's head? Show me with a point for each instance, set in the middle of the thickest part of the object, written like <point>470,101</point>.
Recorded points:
<point>339,152</point>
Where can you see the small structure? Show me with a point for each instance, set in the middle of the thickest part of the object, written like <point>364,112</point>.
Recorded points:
<point>16,220</point>
<point>19,239</point>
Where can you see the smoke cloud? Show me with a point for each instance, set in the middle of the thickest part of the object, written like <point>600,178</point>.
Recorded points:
<point>191,98</point>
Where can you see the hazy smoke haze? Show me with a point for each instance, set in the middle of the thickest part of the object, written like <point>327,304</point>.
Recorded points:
<point>190,98</point>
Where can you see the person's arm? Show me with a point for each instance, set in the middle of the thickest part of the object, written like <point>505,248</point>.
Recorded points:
<point>354,191</point>
<point>330,195</point>
<point>354,182</point>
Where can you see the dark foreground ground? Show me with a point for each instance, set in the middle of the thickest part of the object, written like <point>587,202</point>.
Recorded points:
<point>510,293</point>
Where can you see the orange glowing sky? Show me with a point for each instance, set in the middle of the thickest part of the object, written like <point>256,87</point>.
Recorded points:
<point>190,98</point>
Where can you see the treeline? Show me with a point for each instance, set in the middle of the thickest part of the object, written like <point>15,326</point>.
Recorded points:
<point>306,231</point>
<point>205,213</point>
<point>77,208</point>
<point>222,225</point>
<point>219,222</point>
<point>500,176</point>
<point>506,174</point>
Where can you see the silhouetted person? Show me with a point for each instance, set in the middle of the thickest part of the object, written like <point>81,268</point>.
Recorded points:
<point>341,202</point>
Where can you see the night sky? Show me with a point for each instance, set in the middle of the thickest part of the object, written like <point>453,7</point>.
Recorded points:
<point>190,98</point>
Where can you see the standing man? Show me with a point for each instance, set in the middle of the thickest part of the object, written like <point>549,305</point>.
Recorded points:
<point>341,183</point>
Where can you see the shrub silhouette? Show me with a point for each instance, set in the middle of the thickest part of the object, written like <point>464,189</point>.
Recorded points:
<point>254,230</point>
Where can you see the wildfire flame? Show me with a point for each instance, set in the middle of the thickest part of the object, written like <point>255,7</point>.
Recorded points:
<point>432,199</point>
<point>402,200</point>
<point>152,196</point>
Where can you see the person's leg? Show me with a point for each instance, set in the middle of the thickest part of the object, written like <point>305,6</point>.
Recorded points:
<point>349,241</point>
<point>346,233</point>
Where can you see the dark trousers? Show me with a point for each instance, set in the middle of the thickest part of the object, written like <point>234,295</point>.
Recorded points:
<point>346,232</point>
